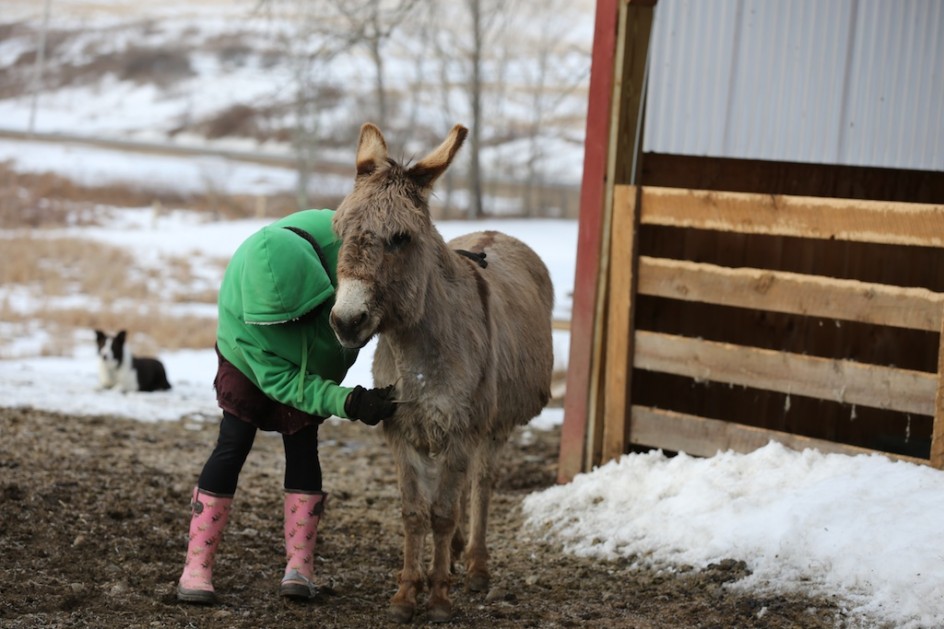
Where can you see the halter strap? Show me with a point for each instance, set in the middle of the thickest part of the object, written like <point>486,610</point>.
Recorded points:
<point>480,282</point>
<point>478,258</point>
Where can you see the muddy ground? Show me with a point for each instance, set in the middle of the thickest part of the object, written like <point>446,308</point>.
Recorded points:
<point>93,526</point>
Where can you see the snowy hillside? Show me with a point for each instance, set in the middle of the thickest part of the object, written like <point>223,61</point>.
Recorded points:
<point>260,77</point>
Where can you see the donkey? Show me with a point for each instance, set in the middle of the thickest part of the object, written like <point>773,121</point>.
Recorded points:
<point>464,337</point>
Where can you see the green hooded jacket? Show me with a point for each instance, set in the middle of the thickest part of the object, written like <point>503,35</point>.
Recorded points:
<point>273,278</point>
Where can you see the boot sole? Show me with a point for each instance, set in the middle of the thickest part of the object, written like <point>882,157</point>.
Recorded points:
<point>201,597</point>
<point>297,591</point>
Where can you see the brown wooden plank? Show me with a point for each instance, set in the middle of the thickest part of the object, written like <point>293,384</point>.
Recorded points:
<point>880,222</point>
<point>629,91</point>
<point>702,172</point>
<point>823,378</point>
<point>937,431</point>
<point>794,293</point>
<point>618,367</point>
<point>592,193</point>
<point>700,436</point>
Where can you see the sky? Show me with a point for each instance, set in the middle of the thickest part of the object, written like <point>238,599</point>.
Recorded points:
<point>861,529</point>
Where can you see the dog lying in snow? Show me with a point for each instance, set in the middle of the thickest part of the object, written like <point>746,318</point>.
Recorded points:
<point>118,368</point>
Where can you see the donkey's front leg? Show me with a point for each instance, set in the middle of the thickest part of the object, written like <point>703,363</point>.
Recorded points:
<point>444,518</point>
<point>415,513</point>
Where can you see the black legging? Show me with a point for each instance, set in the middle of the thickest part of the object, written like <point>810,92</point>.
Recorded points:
<point>221,472</point>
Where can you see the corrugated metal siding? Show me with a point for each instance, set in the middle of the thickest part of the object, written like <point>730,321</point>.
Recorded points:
<point>857,82</point>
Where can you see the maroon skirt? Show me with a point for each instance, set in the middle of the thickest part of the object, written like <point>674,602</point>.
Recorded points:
<point>238,395</point>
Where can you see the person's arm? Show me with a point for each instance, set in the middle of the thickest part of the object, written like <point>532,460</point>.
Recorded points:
<point>278,378</point>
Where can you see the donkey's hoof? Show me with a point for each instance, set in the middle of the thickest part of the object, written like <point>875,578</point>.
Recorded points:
<point>400,612</point>
<point>440,611</point>
<point>478,582</point>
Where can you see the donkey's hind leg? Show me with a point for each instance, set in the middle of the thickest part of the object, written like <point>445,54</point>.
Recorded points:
<point>458,538</point>
<point>485,460</point>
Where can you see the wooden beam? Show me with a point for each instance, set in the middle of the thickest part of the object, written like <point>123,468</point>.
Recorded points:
<point>793,293</point>
<point>628,107</point>
<point>880,222</point>
<point>629,92</point>
<point>699,436</point>
<point>592,193</point>
<point>606,115</point>
<point>842,381</point>
<point>618,368</point>
<point>937,429</point>
<point>702,172</point>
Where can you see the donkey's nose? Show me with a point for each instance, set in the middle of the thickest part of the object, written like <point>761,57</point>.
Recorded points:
<point>348,326</point>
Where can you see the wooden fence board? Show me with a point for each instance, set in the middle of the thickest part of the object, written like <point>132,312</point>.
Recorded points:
<point>800,292</point>
<point>700,436</point>
<point>805,217</point>
<point>793,293</point>
<point>842,381</point>
<point>937,430</point>
<point>618,362</point>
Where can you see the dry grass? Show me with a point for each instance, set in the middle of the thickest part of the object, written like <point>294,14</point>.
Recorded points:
<point>121,293</point>
<point>49,200</point>
<point>150,332</point>
<point>54,268</point>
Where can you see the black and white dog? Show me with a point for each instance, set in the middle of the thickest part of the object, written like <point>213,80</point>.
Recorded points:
<point>118,368</point>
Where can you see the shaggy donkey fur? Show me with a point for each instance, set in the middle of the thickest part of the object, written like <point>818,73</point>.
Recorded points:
<point>466,340</point>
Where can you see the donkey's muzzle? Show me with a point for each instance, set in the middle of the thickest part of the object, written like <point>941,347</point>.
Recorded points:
<point>350,316</point>
<point>350,329</point>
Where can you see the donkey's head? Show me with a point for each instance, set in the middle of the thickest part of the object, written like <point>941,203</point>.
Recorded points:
<point>389,245</point>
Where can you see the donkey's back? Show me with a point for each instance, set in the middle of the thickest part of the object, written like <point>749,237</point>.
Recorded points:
<point>520,299</point>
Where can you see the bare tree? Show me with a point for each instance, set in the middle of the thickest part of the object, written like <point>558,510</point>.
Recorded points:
<point>38,67</point>
<point>311,35</point>
<point>372,23</point>
<point>475,101</point>
<point>552,82</point>
<point>468,49</point>
<point>505,68</point>
<point>433,58</point>
<point>486,19</point>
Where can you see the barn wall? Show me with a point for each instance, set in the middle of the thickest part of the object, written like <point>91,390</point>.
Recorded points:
<point>854,82</point>
<point>798,97</point>
<point>837,99</point>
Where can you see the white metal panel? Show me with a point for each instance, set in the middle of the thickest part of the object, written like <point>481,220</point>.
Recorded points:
<point>845,81</point>
<point>689,57</point>
<point>895,112</point>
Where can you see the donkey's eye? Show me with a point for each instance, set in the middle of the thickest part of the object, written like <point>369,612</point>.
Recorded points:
<point>398,241</point>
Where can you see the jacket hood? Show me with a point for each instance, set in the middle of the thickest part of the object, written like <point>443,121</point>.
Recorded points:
<point>282,278</point>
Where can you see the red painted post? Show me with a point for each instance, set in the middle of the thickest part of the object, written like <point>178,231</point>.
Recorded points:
<point>592,195</point>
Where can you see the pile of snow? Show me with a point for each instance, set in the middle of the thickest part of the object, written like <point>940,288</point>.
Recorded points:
<point>861,528</point>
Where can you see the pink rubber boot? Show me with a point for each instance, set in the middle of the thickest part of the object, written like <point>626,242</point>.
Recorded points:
<point>302,514</point>
<point>210,513</point>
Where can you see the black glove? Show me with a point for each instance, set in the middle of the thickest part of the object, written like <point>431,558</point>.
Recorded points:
<point>371,406</point>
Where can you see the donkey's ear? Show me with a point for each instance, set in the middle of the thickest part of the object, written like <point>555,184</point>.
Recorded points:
<point>371,149</point>
<point>427,170</point>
